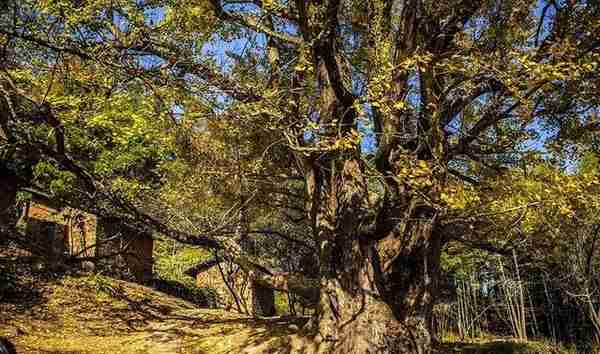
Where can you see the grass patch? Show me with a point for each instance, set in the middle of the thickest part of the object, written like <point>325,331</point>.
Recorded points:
<point>503,348</point>
<point>508,346</point>
<point>172,260</point>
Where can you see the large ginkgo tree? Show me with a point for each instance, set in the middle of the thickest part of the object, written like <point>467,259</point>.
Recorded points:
<point>390,113</point>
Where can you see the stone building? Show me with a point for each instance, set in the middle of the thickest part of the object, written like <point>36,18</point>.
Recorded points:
<point>63,231</point>
<point>66,231</point>
<point>234,289</point>
<point>130,250</point>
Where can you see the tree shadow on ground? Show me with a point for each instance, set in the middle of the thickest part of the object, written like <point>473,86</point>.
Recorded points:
<point>10,348</point>
<point>148,310</point>
<point>250,321</point>
<point>97,306</point>
<point>20,283</point>
<point>266,335</point>
<point>166,321</point>
<point>198,330</point>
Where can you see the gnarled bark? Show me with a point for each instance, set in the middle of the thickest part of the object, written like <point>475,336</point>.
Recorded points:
<point>376,292</point>
<point>363,320</point>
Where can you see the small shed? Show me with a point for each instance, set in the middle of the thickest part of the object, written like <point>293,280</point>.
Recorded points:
<point>63,231</point>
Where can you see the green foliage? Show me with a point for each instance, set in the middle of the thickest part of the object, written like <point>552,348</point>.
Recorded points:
<point>59,182</point>
<point>172,260</point>
<point>282,305</point>
<point>589,164</point>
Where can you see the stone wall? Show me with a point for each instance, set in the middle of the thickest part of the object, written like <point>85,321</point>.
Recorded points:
<point>237,291</point>
<point>237,280</point>
<point>129,250</point>
<point>139,258</point>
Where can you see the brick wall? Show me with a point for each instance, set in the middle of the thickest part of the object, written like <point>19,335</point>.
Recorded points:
<point>69,231</point>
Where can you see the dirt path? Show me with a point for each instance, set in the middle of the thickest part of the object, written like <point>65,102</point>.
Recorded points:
<point>97,315</point>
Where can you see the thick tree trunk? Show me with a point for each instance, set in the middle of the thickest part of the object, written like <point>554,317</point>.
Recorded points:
<point>365,311</point>
<point>376,292</point>
<point>361,321</point>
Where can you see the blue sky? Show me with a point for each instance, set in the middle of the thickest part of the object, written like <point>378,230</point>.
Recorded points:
<point>217,49</point>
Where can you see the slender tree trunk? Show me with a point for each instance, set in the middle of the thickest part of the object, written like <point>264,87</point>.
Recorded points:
<point>521,299</point>
<point>230,284</point>
<point>595,318</point>
<point>551,323</point>
<point>532,309</point>
<point>291,304</point>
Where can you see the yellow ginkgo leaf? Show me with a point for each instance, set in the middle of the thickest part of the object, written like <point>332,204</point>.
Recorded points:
<point>400,105</point>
